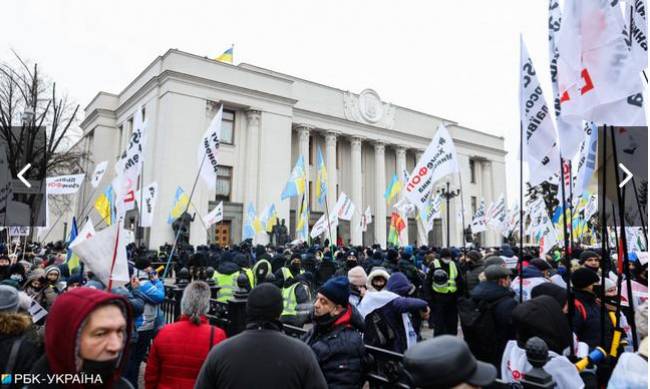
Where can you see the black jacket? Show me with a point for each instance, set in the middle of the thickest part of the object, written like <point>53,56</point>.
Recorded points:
<point>338,346</point>
<point>261,357</point>
<point>586,323</point>
<point>15,326</point>
<point>504,303</point>
<point>471,275</point>
<point>443,298</point>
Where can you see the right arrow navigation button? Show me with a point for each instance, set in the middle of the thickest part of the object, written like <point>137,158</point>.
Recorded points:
<point>628,176</point>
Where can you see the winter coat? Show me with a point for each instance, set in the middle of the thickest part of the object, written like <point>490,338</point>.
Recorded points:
<point>531,278</point>
<point>378,271</point>
<point>443,298</point>
<point>62,330</point>
<point>491,292</point>
<point>339,350</point>
<point>631,371</point>
<point>472,273</point>
<point>15,326</point>
<point>177,353</point>
<point>153,293</point>
<point>261,357</point>
<point>586,323</point>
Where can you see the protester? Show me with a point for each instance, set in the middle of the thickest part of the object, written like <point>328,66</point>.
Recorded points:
<point>631,370</point>
<point>225,277</point>
<point>358,280</point>
<point>336,337</point>
<point>179,349</point>
<point>429,368</point>
<point>534,274</point>
<point>590,260</point>
<point>86,332</point>
<point>586,317</point>
<point>261,356</point>
<point>474,266</point>
<point>443,286</point>
<point>377,279</point>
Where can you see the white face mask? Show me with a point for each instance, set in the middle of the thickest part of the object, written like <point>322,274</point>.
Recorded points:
<point>446,260</point>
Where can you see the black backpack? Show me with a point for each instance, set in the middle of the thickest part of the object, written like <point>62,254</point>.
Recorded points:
<point>377,331</point>
<point>479,328</point>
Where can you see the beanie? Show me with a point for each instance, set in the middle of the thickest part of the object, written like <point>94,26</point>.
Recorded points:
<point>337,290</point>
<point>357,276</point>
<point>588,254</point>
<point>264,303</point>
<point>8,298</point>
<point>474,256</point>
<point>583,277</point>
<point>550,289</point>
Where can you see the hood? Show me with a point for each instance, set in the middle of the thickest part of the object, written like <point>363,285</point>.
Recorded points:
<point>378,271</point>
<point>543,317</point>
<point>532,272</point>
<point>35,275</point>
<point>398,283</point>
<point>490,291</point>
<point>55,269</point>
<point>64,324</point>
<point>227,267</point>
<point>13,324</point>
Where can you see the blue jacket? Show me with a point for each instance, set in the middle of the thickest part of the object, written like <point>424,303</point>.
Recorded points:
<point>153,294</point>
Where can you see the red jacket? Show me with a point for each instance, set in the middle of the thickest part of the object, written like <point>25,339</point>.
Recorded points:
<point>177,353</point>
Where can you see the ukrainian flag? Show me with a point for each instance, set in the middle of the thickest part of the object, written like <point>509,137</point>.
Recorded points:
<point>249,226</point>
<point>296,184</point>
<point>181,200</point>
<point>302,225</point>
<point>394,187</point>
<point>270,218</point>
<point>72,260</point>
<point>226,56</point>
<point>321,178</point>
<point>104,205</point>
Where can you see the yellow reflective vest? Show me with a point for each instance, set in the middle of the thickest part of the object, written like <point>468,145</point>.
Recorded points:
<point>451,281</point>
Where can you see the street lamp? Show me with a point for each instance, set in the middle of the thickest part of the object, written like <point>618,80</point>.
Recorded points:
<point>448,194</point>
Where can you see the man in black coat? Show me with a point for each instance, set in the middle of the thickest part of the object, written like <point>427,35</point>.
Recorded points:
<point>586,315</point>
<point>261,356</point>
<point>336,336</point>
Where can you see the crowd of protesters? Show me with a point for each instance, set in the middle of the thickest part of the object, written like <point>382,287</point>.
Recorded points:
<point>479,311</point>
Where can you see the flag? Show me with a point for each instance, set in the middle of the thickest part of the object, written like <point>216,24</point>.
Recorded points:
<point>366,219</point>
<point>393,189</point>
<point>62,185</point>
<point>148,197</point>
<point>302,224</point>
<point>129,166</point>
<point>249,224</point>
<point>98,174</point>
<point>587,159</point>
<point>397,225</point>
<point>598,78</point>
<point>226,56</point>
<point>638,22</point>
<point>105,205</point>
<point>180,205</point>
<point>344,207</point>
<point>296,184</point>
<point>214,216</point>
<point>431,212</point>
<point>497,214</point>
<point>321,226</point>
<point>72,260</point>
<point>540,146</point>
<point>207,153</point>
<point>321,178</point>
<point>479,222</point>
<point>269,218</point>
<point>438,160</point>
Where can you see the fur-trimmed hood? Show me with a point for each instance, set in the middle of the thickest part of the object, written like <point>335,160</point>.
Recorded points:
<point>13,324</point>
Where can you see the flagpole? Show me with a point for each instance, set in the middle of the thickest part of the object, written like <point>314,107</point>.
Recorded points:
<point>521,207</point>
<point>329,227</point>
<point>171,252</point>
<point>638,204</point>
<point>626,262</point>
<point>462,211</point>
<point>567,255</point>
<point>140,205</point>
<point>605,263</point>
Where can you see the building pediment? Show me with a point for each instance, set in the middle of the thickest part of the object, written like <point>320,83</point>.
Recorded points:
<point>367,108</point>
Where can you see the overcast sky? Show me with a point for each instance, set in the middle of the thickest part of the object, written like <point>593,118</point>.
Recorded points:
<point>455,59</point>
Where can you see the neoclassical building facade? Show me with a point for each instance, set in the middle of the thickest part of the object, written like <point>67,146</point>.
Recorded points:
<point>270,119</point>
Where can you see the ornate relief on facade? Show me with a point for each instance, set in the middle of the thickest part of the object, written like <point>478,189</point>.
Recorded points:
<point>368,108</point>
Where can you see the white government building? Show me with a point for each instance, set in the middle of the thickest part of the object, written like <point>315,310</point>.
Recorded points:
<point>270,119</point>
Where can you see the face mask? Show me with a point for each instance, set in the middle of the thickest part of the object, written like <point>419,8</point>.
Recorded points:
<point>104,369</point>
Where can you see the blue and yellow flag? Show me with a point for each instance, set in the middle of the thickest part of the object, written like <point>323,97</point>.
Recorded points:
<point>250,224</point>
<point>296,184</point>
<point>393,189</point>
<point>226,56</point>
<point>72,260</point>
<point>104,205</point>
<point>181,200</point>
<point>269,218</point>
<point>321,178</point>
<point>302,225</point>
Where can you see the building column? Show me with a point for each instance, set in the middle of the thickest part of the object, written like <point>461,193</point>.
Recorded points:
<point>330,151</point>
<point>423,236</point>
<point>400,153</point>
<point>252,155</point>
<point>356,236</point>
<point>380,187</point>
<point>489,198</point>
<point>303,150</point>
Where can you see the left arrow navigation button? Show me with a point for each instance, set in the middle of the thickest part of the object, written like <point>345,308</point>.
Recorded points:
<point>22,173</point>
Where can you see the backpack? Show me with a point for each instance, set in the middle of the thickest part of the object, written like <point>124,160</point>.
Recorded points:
<point>479,328</point>
<point>377,331</point>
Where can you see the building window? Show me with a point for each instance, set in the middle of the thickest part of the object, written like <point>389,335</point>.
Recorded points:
<point>311,148</point>
<point>473,203</point>
<point>472,173</point>
<point>144,114</point>
<point>224,182</point>
<point>227,127</point>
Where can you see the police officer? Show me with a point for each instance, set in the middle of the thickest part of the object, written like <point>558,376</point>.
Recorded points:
<point>442,288</point>
<point>226,277</point>
<point>296,299</point>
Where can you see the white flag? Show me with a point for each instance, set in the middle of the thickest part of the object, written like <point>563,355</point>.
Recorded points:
<point>129,166</point>
<point>62,185</point>
<point>438,160</point>
<point>207,153</point>
<point>639,24</point>
<point>586,163</point>
<point>366,219</point>
<point>214,216</point>
<point>100,169</point>
<point>540,140</point>
<point>344,207</point>
<point>105,255</point>
<point>479,223</point>
<point>498,214</point>
<point>149,196</point>
<point>321,226</point>
<point>598,78</point>
<point>87,232</point>
<point>431,212</point>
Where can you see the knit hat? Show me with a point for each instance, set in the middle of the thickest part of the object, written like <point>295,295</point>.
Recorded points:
<point>496,272</point>
<point>264,303</point>
<point>337,290</point>
<point>8,299</point>
<point>474,256</point>
<point>588,254</point>
<point>583,277</point>
<point>550,289</point>
<point>445,253</point>
<point>357,276</point>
